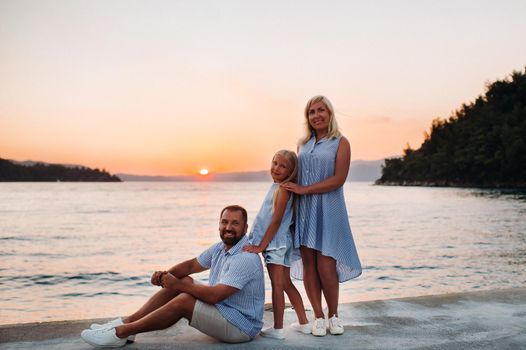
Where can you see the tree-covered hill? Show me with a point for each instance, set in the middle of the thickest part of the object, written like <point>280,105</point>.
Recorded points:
<point>10,171</point>
<point>483,144</point>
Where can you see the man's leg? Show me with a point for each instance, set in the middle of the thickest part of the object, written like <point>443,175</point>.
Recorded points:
<point>163,317</point>
<point>156,301</point>
<point>207,319</point>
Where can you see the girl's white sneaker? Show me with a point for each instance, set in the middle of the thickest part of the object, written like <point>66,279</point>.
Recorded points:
<point>319,329</point>
<point>272,332</point>
<point>302,328</point>
<point>335,326</point>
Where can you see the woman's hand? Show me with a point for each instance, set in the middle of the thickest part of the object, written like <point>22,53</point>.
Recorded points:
<point>157,276</point>
<point>295,188</point>
<point>253,248</point>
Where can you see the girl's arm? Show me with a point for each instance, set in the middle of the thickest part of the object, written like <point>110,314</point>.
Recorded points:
<point>341,169</point>
<point>282,198</point>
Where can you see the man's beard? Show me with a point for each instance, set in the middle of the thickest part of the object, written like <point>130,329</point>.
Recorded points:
<point>231,241</point>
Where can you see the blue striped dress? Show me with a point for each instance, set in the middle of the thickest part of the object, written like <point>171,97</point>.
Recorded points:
<point>322,222</point>
<point>283,237</point>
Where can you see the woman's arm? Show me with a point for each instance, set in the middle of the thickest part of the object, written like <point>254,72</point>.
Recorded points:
<point>341,169</point>
<point>279,210</point>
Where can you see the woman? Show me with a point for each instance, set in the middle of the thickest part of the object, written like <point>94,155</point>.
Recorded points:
<point>322,227</point>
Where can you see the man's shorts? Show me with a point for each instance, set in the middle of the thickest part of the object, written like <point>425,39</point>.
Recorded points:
<point>279,256</point>
<point>209,320</point>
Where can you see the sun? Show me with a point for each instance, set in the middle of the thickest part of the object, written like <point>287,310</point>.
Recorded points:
<point>203,172</point>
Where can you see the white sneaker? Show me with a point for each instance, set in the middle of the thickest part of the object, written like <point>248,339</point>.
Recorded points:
<point>102,337</point>
<point>303,328</point>
<point>272,332</point>
<point>319,329</point>
<point>113,323</point>
<point>335,326</point>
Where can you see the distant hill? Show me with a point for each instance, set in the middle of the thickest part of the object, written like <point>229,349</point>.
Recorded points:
<point>38,171</point>
<point>365,170</point>
<point>483,144</point>
<point>361,170</point>
<point>253,176</point>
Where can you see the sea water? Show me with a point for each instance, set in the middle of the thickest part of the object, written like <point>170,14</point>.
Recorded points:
<point>87,250</point>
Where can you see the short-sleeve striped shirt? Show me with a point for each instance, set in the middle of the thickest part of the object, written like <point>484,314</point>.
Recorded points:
<point>243,271</point>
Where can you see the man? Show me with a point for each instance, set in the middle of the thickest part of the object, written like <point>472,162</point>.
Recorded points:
<point>230,308</point>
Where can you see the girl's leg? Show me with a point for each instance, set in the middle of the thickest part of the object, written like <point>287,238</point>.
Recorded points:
<point>276,274</point>
<point>311,279</point>
<point>329,282</point>
<point>294,297</point>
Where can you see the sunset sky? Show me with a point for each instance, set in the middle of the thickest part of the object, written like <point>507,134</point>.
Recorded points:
<point>171,87</point>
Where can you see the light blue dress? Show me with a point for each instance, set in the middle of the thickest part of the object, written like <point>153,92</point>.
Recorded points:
<point>322,222</point>
<point>283,237</point>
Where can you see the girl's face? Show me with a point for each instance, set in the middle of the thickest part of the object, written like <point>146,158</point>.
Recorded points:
<point>280,168</point>
<point>319,116</point>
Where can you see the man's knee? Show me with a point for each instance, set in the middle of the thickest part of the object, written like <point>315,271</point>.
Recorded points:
<point>187,279</point>
<point>183,303</point>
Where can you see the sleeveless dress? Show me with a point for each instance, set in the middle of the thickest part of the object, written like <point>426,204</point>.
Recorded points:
<point>322,222</point>
<point>283,237</point>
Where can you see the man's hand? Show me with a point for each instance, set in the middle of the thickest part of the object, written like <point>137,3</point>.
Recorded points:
<point>253,248</point>
<point>170,281</point>
<point>157,276</point>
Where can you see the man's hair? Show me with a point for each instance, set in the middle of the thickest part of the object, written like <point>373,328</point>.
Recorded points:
<point>235,208</point>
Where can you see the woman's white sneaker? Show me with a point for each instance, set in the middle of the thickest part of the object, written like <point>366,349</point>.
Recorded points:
<point>335,326</point>
<point>102,337</point>
<point>272,332</point>
<point>113,323</point>
<point>319,329</point>
<point>302,328</point>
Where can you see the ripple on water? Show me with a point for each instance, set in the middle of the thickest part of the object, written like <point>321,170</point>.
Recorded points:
<point>422,267</point>
<point>52,280</point>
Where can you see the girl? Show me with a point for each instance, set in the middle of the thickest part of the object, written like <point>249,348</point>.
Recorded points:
<point>271,235</point>
<point>322,226</point>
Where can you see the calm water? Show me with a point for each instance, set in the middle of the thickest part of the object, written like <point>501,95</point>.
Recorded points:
<point>85,250</point>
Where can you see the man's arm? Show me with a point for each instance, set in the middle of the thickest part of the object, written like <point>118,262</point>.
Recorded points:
<point>180,270</point>
<point>208,294</point>
<point>186,268</point>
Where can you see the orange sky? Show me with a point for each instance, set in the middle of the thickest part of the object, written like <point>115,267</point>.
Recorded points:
<point>166,88</point>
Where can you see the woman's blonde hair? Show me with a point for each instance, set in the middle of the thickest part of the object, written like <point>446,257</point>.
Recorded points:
<point>333,131</point>
<point>293,160</point>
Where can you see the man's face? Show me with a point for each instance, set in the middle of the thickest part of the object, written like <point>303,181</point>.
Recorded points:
<point>232,227</point>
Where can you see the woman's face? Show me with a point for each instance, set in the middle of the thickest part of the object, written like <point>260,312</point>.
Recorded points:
<point>319,116</point>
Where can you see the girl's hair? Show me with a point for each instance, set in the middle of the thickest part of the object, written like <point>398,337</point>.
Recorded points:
<point>333,131</point>
<point>293,160</point>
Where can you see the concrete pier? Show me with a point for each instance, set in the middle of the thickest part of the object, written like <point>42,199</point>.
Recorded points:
<point>475,320</point>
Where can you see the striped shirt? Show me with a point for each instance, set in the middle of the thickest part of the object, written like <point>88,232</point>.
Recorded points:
<point>243,271</point>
